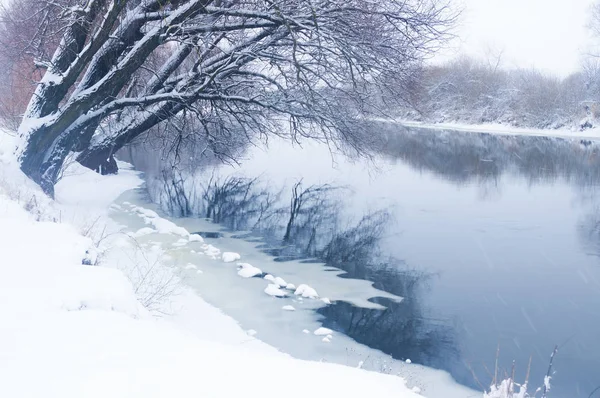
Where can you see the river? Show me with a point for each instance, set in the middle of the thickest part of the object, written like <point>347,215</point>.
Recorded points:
<point>479,248</point>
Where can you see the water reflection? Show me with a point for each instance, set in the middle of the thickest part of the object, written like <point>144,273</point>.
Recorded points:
<point>509,270</point>
<point>468,157</point>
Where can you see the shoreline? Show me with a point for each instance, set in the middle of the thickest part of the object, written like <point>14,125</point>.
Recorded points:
<point>499,129</point>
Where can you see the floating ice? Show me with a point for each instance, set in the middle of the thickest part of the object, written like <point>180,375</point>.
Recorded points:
<point>275,291</point>
<point>306,291</point>
<point>323,331</point>
<point>229,257</point>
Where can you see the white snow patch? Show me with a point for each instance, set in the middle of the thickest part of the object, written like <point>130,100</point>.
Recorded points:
<point>326,340</point>
<point>229,257</point>
<point>306,291</point>
<point>195,238</point>
<point>190,266</point>
<point>280,281</point>
<point>288,308</point>
<point>246,270</point>
<point>275,291</point>
<point>326,300</point>
<point>143,232</point>
<point>290,286</point>
<point>270,278</point>
<point>322,331</point>
<point>408,360</point>
<point>181,242</point>
<point>210,250</point>
<point>306,331</point>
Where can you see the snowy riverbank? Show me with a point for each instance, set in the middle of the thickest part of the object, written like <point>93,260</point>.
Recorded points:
<point>72,330</point>
<point>500,129</point>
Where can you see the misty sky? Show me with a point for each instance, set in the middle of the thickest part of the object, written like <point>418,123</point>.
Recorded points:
<point>547,34</point>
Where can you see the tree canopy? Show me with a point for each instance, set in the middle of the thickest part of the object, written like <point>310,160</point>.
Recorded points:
<point>119,68</point>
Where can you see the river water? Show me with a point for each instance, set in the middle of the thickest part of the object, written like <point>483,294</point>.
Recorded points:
<point>492,242</point>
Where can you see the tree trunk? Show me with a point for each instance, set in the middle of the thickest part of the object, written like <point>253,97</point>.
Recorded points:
<point>101,161</point>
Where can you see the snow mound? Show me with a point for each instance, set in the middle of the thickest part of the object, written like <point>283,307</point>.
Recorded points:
<point>290,286</point>
<point>211,251</point>
<point>306,331</point>
<point>143,232</point>
<point>280,281</point>
<point>306,291</point>
<point>181,242</point>
<point>288,308</point>
<point>246,270</point>
<point>270,278</point>
<point>322,331</point>
<point>195,238</point>
<point>326,300</point>
<point>275,291</point>
<point>326,340</point>
<point>229,257</point>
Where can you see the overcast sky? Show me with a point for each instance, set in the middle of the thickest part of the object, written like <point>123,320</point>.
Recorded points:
<point>547,34</point>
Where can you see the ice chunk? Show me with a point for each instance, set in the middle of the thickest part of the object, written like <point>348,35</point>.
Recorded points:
<point>290,286</point>
<point>408,361</point>
<point>323,331</point>
<point>210,250</point>
<point>143,231</point>
<point>229,257</point>
<point>270,278</point>
<point>288,308</point>
<point>195,238</point>
<point>306,291</point>
<point>246,270</point>
<point>280,281</point>
<point>326,340</point>
<point>306,331</point>
<point>326,300</point>
<point>275,291</point>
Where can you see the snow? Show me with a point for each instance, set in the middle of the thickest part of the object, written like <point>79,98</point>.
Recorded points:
<point>288,308</point>
<point>229,257</point>
<point>322,331</point>
<point>408,361</point>
<point>306,292</point>
<point>143,232</point>
<point>500,129</point>
<point>195,238</point>
<point>306,331</point>
<point>71,330</point>
<point>269,278</point>
<point>290,286</point>
<point>326,340</point>
<point>280,281</point>
<point>275,291</point>
<point>248,270</point>
<point>211,251</point>
<point>326,300</point>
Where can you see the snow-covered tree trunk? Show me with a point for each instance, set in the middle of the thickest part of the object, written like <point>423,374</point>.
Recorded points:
<point>124,67</point>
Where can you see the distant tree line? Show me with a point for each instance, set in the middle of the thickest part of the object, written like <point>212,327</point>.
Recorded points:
<point>469,90</point>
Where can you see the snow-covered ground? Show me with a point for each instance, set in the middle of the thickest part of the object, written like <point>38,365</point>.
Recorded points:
<point>127,326</point>
<point>501,129</point>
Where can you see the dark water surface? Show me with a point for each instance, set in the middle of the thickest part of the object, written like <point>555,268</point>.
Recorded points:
<point>491,240</point>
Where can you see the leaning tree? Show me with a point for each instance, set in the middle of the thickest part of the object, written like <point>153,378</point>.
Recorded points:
<point>312,68</point>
